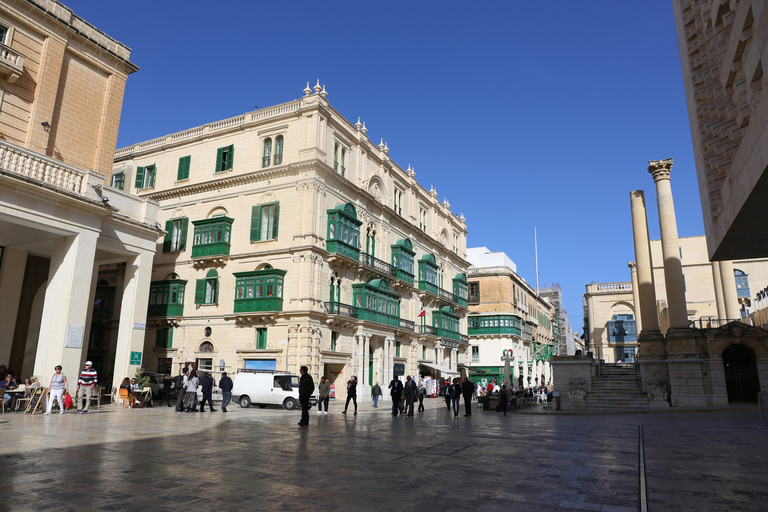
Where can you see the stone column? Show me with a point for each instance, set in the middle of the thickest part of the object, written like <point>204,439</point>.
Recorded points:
<point>133,314</point>
<point>719,296</point>
<point>365,387</point>
<point>729,291</point>
<point>670,245</point>
<point>635,295</point>
<point>645,287</point>
<point>14,262</point>
<point>62,337</point>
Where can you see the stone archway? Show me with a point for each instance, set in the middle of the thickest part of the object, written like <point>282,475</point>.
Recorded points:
<point>740,368</point>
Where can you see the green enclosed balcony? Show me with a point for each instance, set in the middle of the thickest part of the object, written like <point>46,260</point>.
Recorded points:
<point>376,303</point>
<point>344,232</point>
<point>495,324</point>
<point>460,290</point>
<point>212,237</point>
<point>260,290</point>
<point>446,321</point>
<point>166,298</point>
<point>402,260</point>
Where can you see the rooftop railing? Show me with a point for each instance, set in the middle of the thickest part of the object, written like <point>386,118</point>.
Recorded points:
<point>27,163</point>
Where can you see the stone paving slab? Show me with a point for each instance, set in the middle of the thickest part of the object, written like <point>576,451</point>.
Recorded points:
<point>259,459</point>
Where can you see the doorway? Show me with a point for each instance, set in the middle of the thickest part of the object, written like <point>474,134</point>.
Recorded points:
<point>740,368</point>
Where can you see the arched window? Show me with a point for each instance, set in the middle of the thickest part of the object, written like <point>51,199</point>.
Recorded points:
<point>335,288</point>
<point>207,290</point>
<point>206,346</point>
<point>267,158</point>
<point>278,150</point>
<point>742,283</point>
<point>370,240</point>
<point>339,158</point>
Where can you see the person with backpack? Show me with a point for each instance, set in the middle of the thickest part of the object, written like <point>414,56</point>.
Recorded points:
<point>180,384</point>
<point>225,385</point>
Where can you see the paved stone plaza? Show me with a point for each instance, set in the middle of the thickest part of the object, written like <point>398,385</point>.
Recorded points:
<point>259,459</point>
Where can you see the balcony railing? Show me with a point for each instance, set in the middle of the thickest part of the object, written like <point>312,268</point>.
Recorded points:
<point>21,161</point>
<point>426,286</point>
<point>451,335</point>
<point>278,158</point>
<point>378,265</point>
<point>344,249</point>
<point>11,63</point>
<point>407,325</point>
<point>337,308</point>
<point>428,329</point>
<point>265,161</point>
<point>257,305</point>
<point>369,315</point>
<point>711,323</point>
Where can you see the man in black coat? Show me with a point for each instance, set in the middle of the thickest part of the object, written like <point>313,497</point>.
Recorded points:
<point>225,384</point>
<point>410,391</point>
<point>467,389</point>
<point>208,384</point>
<point>397,394</point>
<point>306,387</point>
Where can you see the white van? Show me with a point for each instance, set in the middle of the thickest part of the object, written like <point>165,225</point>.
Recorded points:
<point>264,387</point>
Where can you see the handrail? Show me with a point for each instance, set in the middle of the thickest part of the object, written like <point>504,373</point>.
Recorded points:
<point>21,161</point>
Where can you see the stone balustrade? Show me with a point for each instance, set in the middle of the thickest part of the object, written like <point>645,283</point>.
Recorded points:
<point>218,126</point>
<point>16,159</point>
<point>11,63</point>
<point>609,288</point>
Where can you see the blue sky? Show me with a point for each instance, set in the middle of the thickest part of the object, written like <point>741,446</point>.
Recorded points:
<point>522,114</point>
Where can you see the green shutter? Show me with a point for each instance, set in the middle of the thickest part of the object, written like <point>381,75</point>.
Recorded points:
<point>152,176</point>
<point>277,216</point>
<point>167,239</point>
<point>200,291</point>
<point>169,343</point>
<point>230,157</point>
<point>184,226</point>
<point>255,224</point>
<point>219,154</point>
<point>139,177</point>
<point>183,173</point>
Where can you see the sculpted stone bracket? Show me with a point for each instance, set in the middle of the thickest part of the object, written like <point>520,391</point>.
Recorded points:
<point>170,321</point>
<point>341,322</point>
<point>210,261</point>
<point>255,319</point>
<point>341,261</point>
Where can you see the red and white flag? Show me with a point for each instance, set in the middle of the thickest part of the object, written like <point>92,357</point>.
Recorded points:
<point>423,313</point>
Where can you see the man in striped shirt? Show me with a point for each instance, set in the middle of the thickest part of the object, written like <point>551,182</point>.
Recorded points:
<point>85,387</point>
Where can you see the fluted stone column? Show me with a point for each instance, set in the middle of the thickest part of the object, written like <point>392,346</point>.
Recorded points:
<point>729,290</point>
<point>645,286</point>
<point>670,244</point>
<point>719,297</point>
<point>635,295</point>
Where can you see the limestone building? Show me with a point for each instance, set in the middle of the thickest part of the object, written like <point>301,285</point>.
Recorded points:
<point>61,92</point>
<point>293,239</point>
<point>723,45</point>
<point>506,314</point>
<point>611,307</point>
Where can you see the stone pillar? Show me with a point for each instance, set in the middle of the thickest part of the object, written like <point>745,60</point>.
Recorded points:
<point>62,328</point>
<point>14,262</point>
<point>364,393</point>
<point>670,245</point>
<point>133,314</point>
<point>729,291</point>
<point>645,287</point>
<point>719,296</point>
<point>635,295</point>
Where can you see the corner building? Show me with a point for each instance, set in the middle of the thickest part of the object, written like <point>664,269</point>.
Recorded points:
<point>293,240</point>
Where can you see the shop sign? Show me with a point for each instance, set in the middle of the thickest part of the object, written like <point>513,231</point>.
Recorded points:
<point>449,343</point>
<point>399,369</point>
<point>136,358</point>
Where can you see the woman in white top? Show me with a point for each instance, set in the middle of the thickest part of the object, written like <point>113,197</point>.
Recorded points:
<point>58,386</point>
<point>189,398</point>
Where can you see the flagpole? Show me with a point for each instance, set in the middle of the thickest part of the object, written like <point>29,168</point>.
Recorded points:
<point>536,249</point>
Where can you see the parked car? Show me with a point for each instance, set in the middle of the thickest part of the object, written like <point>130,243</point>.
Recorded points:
<point>264,387</point>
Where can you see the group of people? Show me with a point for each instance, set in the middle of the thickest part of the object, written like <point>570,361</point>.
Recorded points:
<point>8,383</point>
<point>57,389</point>
<point>186,385</point>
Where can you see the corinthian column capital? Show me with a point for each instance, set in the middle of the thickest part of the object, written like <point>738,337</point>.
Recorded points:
<point>660,169</point>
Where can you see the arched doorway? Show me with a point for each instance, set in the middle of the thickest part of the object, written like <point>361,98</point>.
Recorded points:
<point>740,367</point>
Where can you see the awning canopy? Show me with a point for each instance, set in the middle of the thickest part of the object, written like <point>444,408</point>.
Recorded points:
<point>441,369</point>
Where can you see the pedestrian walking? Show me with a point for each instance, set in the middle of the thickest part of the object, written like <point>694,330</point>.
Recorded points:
<point>191,391</point>
<point>351,394</point>
<point>375,394</point>
<point>56,390</point>
<point>180,383</point>
<point>225,385</point>
<point>396,392</point>
<point>455,391</point>
<point>447,393</point>
<point>167,387</point>
<point>410,390</point>
<point>503,400</point>
<point>88,378</point>
<point>208,383</point>
<point>323,395</point>
<point>306,387</point>
<point>467,389</point>
<point>422,395</point>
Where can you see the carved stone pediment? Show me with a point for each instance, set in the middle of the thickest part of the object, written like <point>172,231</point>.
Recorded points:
<point>738,329</point>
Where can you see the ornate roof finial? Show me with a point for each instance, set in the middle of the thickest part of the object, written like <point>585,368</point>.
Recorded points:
<point>446,203</point>
<point>358,125</point>
<point>381,145</point>
<point>364,129</point>
<point>307,90</point>
<point>317,87</point>
<point>410,172</point>
<point>386,148</point>
<point>462,218</point>
<point>323,94</point>
<point>432,191</point>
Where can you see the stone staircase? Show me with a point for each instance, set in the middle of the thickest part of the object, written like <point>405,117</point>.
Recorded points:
<point>616,388</point>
